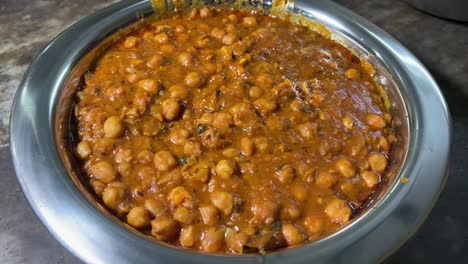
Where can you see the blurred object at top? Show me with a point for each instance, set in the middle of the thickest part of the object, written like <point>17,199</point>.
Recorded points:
<point>452,9</point>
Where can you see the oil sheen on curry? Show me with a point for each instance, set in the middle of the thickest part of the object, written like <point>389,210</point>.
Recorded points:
<point>232,131</point>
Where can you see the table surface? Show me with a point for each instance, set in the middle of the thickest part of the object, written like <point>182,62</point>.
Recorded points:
<point>442,45</point>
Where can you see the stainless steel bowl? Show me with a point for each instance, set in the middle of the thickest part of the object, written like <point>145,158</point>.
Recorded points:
<point>51,182</point>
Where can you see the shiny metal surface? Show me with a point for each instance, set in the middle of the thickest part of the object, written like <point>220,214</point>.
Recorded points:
<point>452,9</point>
<point>96,237</point>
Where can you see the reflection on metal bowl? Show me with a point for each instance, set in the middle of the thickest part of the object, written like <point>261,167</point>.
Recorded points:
<point>51,180</point>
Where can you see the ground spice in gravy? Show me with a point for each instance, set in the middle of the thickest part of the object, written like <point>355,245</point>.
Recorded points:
<point>231,131</point>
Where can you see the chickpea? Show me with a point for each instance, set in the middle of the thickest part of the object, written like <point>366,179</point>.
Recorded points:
<point>230,38</point>
<point>167,48</point>
<point>179,136</point>
<point>140,101</point>
<point>179,195</point>
<point>123,208</point>
<point>104,147</point>
<point>285,173</point>
<point>370,178</point>
<point>138,217</point>
<point>224,201</point>
<point>164,228</point>
<point>296,105</point>
<point>193,80</point>
<point>187,237</point>
<point>197,172</point>
<point>113,93</point>
<point>313,224</point>
<point>205,12</point>
<point>299,192</point>
<point>123,155</point>
<point>230,152</point>
<point>113,196</point>
<point>352,74</point>
<point>222,121</point>
<point>155,61</point>
<point>277,123</point>
<point>103,171</point>
<point>209,214</point>
<point>345,167</point>
<point>180,29</point>
<point>265,106</point>
<point>135,76</point>
<point>247,146</point>
<point>255,92</point>
<point>217,33</point>
<point>183,215</point>
<point>193,13</point>
<point>261,144</point>
<point>185,59</point>
<point>346,188</point>
<point>192,148</point>
<point>202,41</point>
<point>378,162</point>
<point>239,49</point>
<point>338,211</point>
<point>202,27</point>
<point>375,121</point>
<point>130,42</point>
<point>233,18</point>
<point>206,119</point>
<point>164,161</point>
<point>231,28</point>
<point>226,54</point>
<point>249,22</point>
<point>212,240</point>
<point>208,69</point>
<point>347,122</point>
<point>178,92</point>
<point>162,28</point>
<point>243,114</point>
<point>292,235</point>
<point>162,38</point>
<point>388,117</point>
<point>323,115</point>
<point>307,130</point>
<point>210,138</point>
<point>83,150</point>
<point>124,168</point>
<point>145,156</point>
<point>384,144</point>
<point>170,109</point>
<point>264,81</point>
<point>325,179</point>
<point>113,127</point>
<point>154,207</point>
<point>290,212</point>
<point>264,210</point>
<point>317,100</point>
<point>97,186</point>
<point>182,37</point>
<point>235,241</point>
<point>134,62</point>
<point>225,169</point>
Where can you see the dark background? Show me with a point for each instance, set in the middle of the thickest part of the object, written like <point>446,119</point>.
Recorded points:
<point>442,45</point>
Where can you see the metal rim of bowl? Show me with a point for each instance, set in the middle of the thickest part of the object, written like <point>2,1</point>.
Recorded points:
<point>95,238</point>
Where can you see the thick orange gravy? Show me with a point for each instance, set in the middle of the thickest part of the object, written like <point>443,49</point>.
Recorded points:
<point>232,131</point>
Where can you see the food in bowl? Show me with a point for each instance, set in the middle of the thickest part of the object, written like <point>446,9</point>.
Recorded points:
<point>232,131</point>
